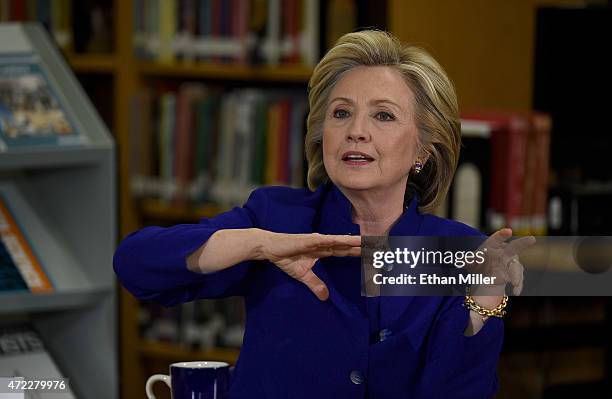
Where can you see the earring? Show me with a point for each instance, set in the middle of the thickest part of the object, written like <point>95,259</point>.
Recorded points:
<point>418,166</point>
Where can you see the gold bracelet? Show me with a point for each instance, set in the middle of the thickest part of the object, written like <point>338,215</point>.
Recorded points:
<point>498,311</point>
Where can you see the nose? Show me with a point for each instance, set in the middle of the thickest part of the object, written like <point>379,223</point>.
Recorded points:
<point>358,129</point>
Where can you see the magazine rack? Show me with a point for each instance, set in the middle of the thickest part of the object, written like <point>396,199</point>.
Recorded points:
<point>61,192</point>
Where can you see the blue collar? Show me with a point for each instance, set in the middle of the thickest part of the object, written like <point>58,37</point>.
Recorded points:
<point>336,216</point>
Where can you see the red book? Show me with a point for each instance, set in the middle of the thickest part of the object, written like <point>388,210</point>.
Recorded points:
<point>244,12</point>
<point>18,10</point>
<point>542,125</point>
<point>290,12</point>
<point>184,146</point>
<point>529,182</point>
<point>509,141</point>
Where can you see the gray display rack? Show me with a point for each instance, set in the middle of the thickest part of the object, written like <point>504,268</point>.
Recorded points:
<point>63,198</point>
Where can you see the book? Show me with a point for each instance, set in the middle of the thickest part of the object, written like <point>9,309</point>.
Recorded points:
<point>23,354</point>
<point>541,125</point>
<point>239,32</point>
<point>509,131</point>
<point>20,269</point>
<point>215,146</point>
<point>515,167</point>
<point>188,95</point>
<point>469,196</point>
<point>31,113</point>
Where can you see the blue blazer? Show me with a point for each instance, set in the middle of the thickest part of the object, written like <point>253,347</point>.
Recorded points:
<point>296,346</point>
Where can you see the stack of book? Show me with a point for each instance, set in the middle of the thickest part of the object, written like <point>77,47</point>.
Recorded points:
<point>246,32</point>
<point>202,145</point>
<point>504,170</point>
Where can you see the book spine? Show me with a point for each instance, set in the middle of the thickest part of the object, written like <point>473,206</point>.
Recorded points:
<point>518,131</point>
<point>542,128</point>
<point>467,190</point>
<point>272,43</point>
<point>496,215</point>
<point>17,10</point>
<point>167,31</point>
<point>309,42</point>
<point>272,144</point>
<point>529,181</point>
<point>282,168</point>
<point>21,253</point>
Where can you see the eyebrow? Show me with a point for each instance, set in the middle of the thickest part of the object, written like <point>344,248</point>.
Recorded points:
<point>372,102</point>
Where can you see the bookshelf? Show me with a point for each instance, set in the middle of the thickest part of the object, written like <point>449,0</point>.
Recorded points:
<point>122,74</point>
<point>51,188</point>
<point>84,64</point>
<point>224,72</point>
<point>112,77</point>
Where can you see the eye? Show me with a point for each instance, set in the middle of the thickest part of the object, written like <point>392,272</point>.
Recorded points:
<point>384,116</point>
<point>340,113</point>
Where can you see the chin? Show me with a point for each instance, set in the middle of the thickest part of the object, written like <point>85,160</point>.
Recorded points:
<point>359,183</point>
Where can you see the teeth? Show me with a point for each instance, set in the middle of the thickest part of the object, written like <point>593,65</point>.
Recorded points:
<point>356,157</point>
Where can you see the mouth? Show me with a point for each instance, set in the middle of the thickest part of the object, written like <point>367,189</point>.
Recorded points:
<point>356,158</point>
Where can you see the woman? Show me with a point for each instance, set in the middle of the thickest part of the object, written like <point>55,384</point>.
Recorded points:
<point>382,146</point>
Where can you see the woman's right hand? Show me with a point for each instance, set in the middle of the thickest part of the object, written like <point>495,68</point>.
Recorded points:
<point>296,254</point>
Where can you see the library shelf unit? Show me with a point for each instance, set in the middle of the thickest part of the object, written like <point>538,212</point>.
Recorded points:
<point>62,197</point>
<point>93,63</point>
<point>226,72</point>
<point>124,75</point>
<point>112,79</point>
<point>153,209</point>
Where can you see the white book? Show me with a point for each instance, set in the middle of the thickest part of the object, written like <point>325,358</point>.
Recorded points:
<point>309,37</point>
<point>272,44</point>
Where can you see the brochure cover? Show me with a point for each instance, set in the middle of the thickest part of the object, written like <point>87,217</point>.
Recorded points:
<point>19,267</point>
<point>31,113</point>
<point>23,354</point>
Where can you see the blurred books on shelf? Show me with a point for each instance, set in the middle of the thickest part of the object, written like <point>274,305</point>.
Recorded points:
<point>576,209</point>
<point>198,325</point>
<point>246,32</point>
<point>201,145</point>
<point>20,269</point>
<point>503,174</point>
<point>90,33</point>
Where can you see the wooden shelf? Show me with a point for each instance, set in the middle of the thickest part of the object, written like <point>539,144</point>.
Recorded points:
<point>161,210</point>
<point>93,63</point>
<point>298,74</point>
<point>172,353</point>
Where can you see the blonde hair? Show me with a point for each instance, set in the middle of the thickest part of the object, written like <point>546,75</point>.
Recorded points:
<point>436,110</point>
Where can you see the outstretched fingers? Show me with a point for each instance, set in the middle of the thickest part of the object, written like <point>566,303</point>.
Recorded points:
<point>323,245</point>
<point>498,239</point>
<point>315,284</point>
<point>517,246</point>
<point>340,250</point>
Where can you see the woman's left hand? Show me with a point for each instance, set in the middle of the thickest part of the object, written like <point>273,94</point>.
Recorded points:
<point>502,262</point>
